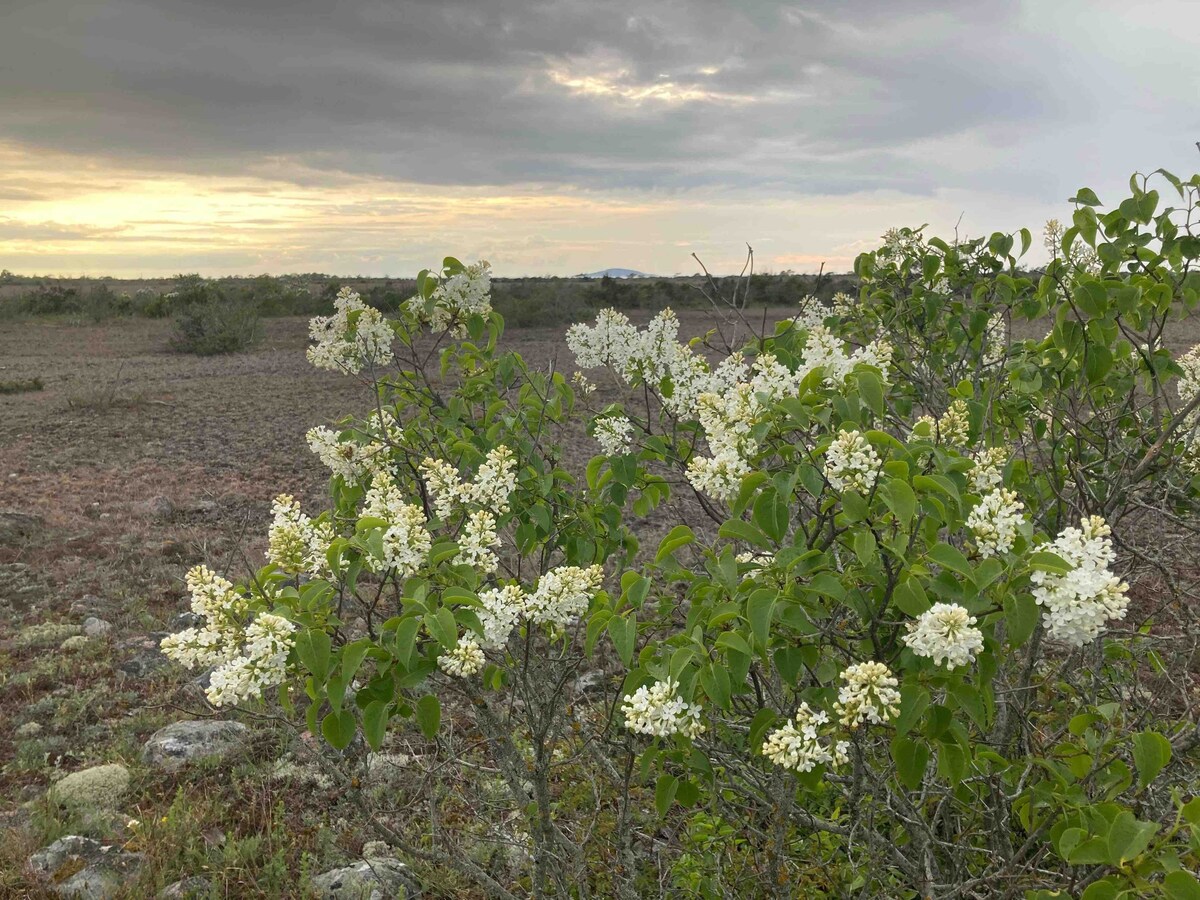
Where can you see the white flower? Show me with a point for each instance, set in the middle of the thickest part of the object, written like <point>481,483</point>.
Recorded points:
<point>945,632</point>
<point>954,427</point>
<point>988,471</point>
<point>406,541</point>
<point>658,711</point>
<point>354,337</point>
<point>613,434</point>
<point>464,660</point>
<point>995,339</point>
<point>851,463</point>
<point>463,294</point>
<point>476,542</point>
<point>501,610</point>
<point>294,542</point>
<point>799,745</point>
<point>868,695</point>
<point>268,643</point>
<point>995,520</point>
<point>563,594</point>
<point>1080,603</point>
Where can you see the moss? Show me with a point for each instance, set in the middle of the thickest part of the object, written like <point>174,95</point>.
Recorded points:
<point>97,786</point>
<point>46,633</point>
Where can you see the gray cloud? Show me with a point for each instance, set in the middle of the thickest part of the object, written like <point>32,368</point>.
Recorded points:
<point>822,97</point>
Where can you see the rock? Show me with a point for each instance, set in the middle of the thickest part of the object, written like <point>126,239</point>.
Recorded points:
<point>86,605</point>
<point>591,682</point>
<point>195,887</point>
<point>18,527</point>
<point>160,509</point>
<point>183,743</point>
<point>94,627</point>
<point>184,620</point>
<point>97,786</point>
<point>29,730</point>
<point>201,508</point>
<point>145,664</point>
<point>175,550</point>
<point>84,868</point>
<point>379,878</point>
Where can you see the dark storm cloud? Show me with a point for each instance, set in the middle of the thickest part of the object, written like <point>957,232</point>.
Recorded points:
<point>822,97</point>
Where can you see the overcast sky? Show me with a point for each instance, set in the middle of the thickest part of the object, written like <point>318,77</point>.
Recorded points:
<point>148,137</point>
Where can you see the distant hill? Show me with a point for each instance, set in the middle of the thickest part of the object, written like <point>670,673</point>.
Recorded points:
<point>616,273</point>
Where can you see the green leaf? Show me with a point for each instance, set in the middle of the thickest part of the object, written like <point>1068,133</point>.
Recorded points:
<point>338,729</point>
<point>664,793</point>
<point>313,648</point>
<point>1181,885</point>
<point>911,758</point>
<point>1021,614</point>
<point>734,642</point>
<point>871,390</point>
<point>910,597</point>
<point>442,627</point>
<point>1101,890</point>
<point>679,536</point>
<point>758,611</point>
<point>914,700</point>
<point>738,530</point>
<point>771,514</point>
<point>1128,838</point>
<point>714,678</point>
<point>951,558</point>
<point>375,719</point>
<point>429,715</point>
<point>623,631</point>
<point>900,500</point>
<point>1151,751</point>
<point>352,657</point>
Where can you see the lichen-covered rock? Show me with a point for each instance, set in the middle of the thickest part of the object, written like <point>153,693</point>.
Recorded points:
<point>97,786</point>
<point>46,634</point>
<point>379,878</point>
<point>183,743</point>
<point>190,888</point>
<point>84,868</point>
<point>95,627</point>
<point>73,643</point>
<point>18,527</point>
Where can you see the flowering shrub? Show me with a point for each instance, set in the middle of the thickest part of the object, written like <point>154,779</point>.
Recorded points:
<point>888,636</point>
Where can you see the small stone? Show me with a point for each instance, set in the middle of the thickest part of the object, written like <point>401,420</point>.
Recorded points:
<point>201,508</point>
<point>194,888</point>
<point>175,550</point>
<point>160,509</point>
<point>183,743</point>
<point>376,850</point>
<point>86,605</point>
<point>94,627</point>
<point>97,786</point>
<point>368,879</point>
<point>184,620</point>
<point>71,644</point>
<point>29,730</point>
<point>591,682</point>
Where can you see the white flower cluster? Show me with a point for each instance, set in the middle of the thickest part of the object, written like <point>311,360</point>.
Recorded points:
<point>463,294</point>
<point>989,470</point>
<point>945,632</point>
<point>851,463</point>
<point>995,520</point>
<point>248,659</point>
<point>728,399</point>
<point>482,499</point>
<point>995,339</point>
<point>613,434</point>
<point>658,710</point>
<point>464,660</point>
<point>562,595</point>
<point>354,337</point>
<point>1080,603</point>
<point>295,542</point>
<point>868,695</point>
<point>800,746</point>
<point>353,459</point>
<point>264,663</point>
<point>406,540</point>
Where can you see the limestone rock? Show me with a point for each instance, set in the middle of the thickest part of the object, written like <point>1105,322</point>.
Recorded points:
<point>183,743</point>
<point>84,868</point>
